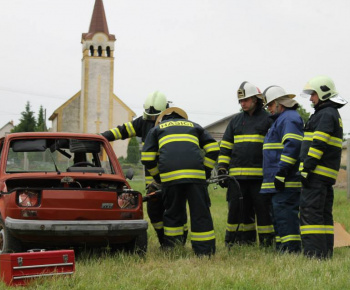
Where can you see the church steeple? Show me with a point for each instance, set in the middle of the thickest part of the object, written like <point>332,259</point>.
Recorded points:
<point>98,22</point>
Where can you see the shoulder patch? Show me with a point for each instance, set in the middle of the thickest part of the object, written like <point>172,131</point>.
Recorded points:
<point>340,123</point>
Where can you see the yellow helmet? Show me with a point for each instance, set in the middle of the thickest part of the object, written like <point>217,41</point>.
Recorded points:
<point>155,103</point>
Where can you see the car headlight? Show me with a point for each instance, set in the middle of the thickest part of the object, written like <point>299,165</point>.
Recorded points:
<point>28,198</point>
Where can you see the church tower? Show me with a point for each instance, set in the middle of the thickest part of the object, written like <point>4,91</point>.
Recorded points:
<point>95,108</point>
<point>97,74</point>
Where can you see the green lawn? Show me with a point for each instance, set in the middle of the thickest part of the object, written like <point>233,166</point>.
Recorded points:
<point>242,268</point>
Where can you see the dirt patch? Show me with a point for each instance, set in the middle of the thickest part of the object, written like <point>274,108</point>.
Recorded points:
<point>342,181</point>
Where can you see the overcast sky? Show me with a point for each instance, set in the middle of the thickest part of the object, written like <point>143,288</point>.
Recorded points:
<point>197,52</point>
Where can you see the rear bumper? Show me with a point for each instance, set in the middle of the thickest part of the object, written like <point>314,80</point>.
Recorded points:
<point>100,228</point>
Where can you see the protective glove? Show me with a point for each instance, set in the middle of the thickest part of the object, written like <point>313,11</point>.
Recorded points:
<point>305,174</point>
<point>279,181</point>
<point>223,183</point>
<point>153,186</point>
<point>108,135</point>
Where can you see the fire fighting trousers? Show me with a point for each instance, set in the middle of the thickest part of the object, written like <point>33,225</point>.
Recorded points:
<point>202,230</point>
<point>155,210</point>
<point>285,206</point>
<point>244,203</point>
<point>316,219</point>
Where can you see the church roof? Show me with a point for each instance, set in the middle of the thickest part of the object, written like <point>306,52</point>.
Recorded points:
<point>98,22</point>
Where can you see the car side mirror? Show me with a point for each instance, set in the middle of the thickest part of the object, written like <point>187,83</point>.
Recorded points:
<point>129,174</point>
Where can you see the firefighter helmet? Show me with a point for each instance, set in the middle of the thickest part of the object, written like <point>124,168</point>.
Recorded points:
<point>325,89</point>
<point>274,92</point>
<point>155,103</point>
<point>169,111</point>
<point>247,90</point>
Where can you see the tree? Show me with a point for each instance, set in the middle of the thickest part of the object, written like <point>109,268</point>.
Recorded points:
<point>27,122</point>
<point>303,114</point>
<point>133,151</point>
<point>40,126</point>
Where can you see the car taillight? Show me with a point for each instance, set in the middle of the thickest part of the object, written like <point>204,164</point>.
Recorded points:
<point>28,198</point>
<point>128,200</point>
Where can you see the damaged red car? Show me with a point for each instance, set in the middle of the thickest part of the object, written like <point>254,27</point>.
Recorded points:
<point>66,190</point>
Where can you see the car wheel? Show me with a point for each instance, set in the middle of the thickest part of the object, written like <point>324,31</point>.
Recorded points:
<point>8,243</point>
<point>138,245</point>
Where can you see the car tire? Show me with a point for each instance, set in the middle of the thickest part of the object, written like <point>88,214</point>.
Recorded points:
<point>8,243</point>
<point>138,245</point>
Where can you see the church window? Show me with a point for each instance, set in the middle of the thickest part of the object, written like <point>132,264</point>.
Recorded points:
<point>91,50</point>
<point>99,50</point>
<point>108,51</point>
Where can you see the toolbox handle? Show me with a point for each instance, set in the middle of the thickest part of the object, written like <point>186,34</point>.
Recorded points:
<point>36,250</point>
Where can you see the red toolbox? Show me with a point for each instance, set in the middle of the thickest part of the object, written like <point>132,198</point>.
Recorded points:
<point>19,268</point>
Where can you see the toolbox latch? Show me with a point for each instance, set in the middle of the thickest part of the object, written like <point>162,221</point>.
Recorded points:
<point>20,261</point>
<point>65,258</point>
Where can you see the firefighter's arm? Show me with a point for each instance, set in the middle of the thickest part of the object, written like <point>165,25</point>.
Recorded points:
<point>211,149</point>
<point>149,155</point>
<point>292,136</point>
<point>226,147</point>
<point>125,131</point>
<point>321,138</point>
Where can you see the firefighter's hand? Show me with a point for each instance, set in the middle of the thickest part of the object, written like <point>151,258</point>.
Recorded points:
<point>223,183</point>
<point>305,177</point>
<point>280,180</point>
<point>153,186</point>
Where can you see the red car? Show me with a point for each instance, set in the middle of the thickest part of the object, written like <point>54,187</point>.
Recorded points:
<point>66,189</point>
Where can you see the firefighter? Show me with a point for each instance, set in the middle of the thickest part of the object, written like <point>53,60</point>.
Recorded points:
<point>281,151</point>
<point>182,171</point>
<point>320,156</point>
<point>155,103</point>
<point>241,157</point>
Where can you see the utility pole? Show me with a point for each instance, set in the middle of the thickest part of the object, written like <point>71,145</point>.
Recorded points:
<point>348,167</point>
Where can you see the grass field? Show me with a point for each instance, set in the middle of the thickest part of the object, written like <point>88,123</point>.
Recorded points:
<point>243,267</point>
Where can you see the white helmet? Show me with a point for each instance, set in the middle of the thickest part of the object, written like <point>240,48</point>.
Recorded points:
<point>275,92</point>
<point>325,89</point>
<point>247,90</point>
<point>155,103</point>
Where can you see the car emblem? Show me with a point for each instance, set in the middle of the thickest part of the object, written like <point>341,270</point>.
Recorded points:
<point>107,205</point>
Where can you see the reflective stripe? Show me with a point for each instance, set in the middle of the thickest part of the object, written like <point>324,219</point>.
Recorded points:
<point>317,229</point>
<point>289,238</point>
<point>226,144</point>
<point>249,138</point>
<point>292,136</point>
<point>325,171</point>
<point>301,166</point>
<point>148,179</point>
<point>130,128</point>
<point>242,227</point>
<point>265,229</point>
<point>308,136</point>
<point>179,174</point>
<point>211,147</point>
<point>280,178</point>
<point>321,136</point>
<point>288,159</point>
<point>224,159</point>
<point>203,236</point>
<point>273,146</point>
<point>158,225</point>
<point>209,162</point>
<point>153,171</point>
<point>178,138</point>
<point>246,171</point>
<point>289,184</point>
<point>148,156</point>
<point>313,152</point>
<point>116,133</point>
<point>337,142</point>
<point>278,239</point>
<point>170,231</point>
